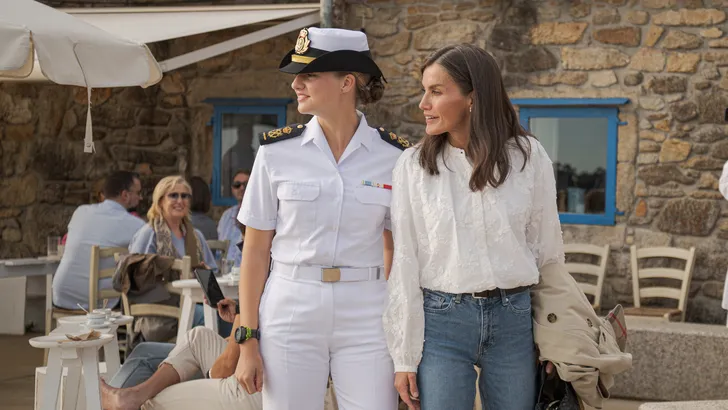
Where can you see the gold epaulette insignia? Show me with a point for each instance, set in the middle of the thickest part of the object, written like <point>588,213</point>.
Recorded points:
<point>281,134</point>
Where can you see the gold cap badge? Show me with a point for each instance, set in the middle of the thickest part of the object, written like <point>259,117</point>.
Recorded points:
<point>302,42</point>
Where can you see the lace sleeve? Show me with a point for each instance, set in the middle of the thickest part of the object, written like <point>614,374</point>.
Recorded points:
<point>404,317</point>
<point>543,233</point>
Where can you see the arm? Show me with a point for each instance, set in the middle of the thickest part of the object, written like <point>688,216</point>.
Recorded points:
<point>543,232</point>
<point>207,255</point>
<point>388,252</point>
<point>259,212</point>
<point>224,366</point>
<point>404,318</point>
<point>144,241</point>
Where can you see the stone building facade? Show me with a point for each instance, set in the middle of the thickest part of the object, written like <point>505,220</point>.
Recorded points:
<point>668,58</point>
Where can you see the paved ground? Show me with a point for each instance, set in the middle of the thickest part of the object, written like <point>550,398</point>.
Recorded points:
<point>19,361</point>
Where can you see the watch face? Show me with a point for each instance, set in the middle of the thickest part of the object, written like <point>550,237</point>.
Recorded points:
<point>239,335</point>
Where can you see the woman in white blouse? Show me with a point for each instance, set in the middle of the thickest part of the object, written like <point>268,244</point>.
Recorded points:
<point>474,217</point>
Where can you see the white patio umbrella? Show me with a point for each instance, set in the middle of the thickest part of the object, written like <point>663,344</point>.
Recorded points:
<point>70,52</point>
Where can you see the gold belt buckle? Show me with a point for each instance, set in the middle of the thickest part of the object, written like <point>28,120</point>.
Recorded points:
<point>330,274</point>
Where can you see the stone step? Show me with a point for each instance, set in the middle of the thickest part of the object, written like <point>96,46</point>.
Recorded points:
<point>687,405</point>
<point>674,362</point>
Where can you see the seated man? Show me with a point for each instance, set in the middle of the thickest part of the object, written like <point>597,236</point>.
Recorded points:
<point>200,360</point>
<point>107,224</point>
<point>229,228</point>
<point>201,351</point>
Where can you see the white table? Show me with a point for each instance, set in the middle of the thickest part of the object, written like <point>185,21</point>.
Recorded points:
<point>74,324</point>
<point>18,278</point>
<point>191,293</point>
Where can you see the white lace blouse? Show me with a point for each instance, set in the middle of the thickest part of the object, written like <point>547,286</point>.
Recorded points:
<point>450,239</point>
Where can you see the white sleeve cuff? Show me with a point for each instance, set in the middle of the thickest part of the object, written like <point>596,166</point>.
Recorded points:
<point>404,369</point>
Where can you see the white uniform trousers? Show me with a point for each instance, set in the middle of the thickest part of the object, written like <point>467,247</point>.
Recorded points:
<point>311,328</point>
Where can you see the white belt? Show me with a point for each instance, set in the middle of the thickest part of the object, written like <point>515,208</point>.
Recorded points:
<point>327,274</point>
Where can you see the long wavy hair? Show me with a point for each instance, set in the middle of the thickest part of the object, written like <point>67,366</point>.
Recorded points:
<point>493,120</point>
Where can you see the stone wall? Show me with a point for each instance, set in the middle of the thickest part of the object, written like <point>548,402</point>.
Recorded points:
<point>668,57</point>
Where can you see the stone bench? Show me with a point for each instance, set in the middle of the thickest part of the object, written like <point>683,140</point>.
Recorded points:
<point>674,362</point>
<point>687,405</point>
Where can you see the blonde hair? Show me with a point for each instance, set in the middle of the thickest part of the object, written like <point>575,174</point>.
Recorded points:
<point>165,186</point>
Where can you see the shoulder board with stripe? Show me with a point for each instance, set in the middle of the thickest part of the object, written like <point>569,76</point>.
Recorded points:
<point>394,140</point>
<point>281,134</point>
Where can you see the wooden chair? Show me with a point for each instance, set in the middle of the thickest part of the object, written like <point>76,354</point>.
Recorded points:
<point>184,266</point>
<point>96,274</point>
<point>681,294</point>
<point>598,270</point>
<point>94,294</point>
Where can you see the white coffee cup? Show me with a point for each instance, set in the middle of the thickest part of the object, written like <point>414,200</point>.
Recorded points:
<point>95,319</point>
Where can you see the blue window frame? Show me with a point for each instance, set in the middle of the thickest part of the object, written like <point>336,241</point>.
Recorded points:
<point>580,135</point>
<point>236,124</point>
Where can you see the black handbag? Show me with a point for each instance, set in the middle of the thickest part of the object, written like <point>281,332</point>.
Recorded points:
<point>554,393</point>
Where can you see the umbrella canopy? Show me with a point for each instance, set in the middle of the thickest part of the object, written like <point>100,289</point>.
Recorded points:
<point>70,51</point>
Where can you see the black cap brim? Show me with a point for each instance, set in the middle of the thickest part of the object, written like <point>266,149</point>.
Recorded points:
<point>341,60</point>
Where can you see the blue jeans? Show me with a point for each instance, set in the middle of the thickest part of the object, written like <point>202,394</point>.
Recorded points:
<point>494,334</point>
<point>141,364</point>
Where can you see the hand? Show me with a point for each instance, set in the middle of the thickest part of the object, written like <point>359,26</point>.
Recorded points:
<point>226,309</point>
<point>406,385</point>
<point>249,371</point>
<point>550,368</point>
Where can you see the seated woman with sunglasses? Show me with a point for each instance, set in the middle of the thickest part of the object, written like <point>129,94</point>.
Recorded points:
<point>166,233</point>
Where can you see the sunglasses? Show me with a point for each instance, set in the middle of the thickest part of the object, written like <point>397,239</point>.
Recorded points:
<point>176,195</point>
<point>238,184</point>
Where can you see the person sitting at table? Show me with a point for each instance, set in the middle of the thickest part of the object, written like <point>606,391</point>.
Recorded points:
<point>228,228</point>
<point>169,232</point>
<point>201,352</point>
<point>199,208</point>
<point>197,373</point>
<point>146,357</point>
<point>106,224</point>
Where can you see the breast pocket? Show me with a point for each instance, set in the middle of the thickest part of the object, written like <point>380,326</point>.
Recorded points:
<point>373,203</point>
<point>297,204</point>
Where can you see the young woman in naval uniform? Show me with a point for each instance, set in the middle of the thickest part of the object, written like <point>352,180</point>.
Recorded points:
<point>317,205</point>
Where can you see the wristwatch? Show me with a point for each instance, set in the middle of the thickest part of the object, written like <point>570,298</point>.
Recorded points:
<point>244,333</point>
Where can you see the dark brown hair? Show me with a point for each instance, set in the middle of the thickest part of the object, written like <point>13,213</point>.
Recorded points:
<point>201,196</point>
<point>493,122</point>
<point>118,182</point>
<point>369,89</point>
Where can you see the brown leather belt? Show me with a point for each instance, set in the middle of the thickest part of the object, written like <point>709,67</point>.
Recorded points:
<point>497,292</point>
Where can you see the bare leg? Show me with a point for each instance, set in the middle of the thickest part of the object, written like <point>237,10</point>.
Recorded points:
<point>133,397</point>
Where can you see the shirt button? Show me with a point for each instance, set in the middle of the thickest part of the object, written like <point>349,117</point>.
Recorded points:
<point>552,318</point>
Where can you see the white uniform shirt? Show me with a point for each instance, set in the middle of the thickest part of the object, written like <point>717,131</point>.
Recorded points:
<point>322,212</point>
<point>106,224</point>
<point>450,239</point>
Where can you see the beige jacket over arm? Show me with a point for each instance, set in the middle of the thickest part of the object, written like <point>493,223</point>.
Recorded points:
<point>568,332</point>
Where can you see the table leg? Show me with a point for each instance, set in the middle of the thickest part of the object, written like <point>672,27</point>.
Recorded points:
<point>12,305</point>
<point>210,317</point>
<point>52,382</point>
<point>89,357</point>
<point>187,314</point>
<point>73,384</point>
<point>111,356</point>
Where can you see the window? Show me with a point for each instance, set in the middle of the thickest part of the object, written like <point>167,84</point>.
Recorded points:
<point>580,137</point>
<point>236,126</point>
